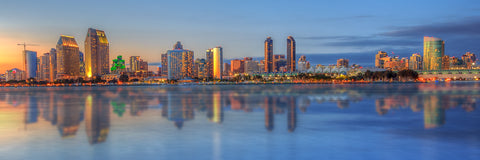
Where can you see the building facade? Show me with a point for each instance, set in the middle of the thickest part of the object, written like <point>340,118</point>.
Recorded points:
<point>44,67</point>
<point>31,64</point>
<point>433,51</point>
<point>68,60</point>
<point>268,55</point>
<point>134,63</point>
<point>96,53</point>
<point>237,66</point>
<point>217,62</point>
<point>180,63</point>
<point>164,62</point>
<point>53,64</point>
<point>416,62</point>
<point>342,63</point>
<point>209,63</point>
<point>379,62</point>
<point>291,53</point>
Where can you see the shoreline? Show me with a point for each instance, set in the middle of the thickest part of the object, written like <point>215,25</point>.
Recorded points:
<point>209,84</point>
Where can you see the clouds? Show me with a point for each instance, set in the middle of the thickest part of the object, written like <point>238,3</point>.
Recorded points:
<point>465,27</point>
<point>460,36</point>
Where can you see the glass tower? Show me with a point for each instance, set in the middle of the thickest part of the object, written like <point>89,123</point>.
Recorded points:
<point>31,64</point>
<point>217,62</point>
<point>433,51</point>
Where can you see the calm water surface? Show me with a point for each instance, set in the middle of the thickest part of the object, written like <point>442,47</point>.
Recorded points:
<point>370,121</point>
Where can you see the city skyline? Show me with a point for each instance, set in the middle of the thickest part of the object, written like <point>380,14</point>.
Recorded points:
<point>355,30</point>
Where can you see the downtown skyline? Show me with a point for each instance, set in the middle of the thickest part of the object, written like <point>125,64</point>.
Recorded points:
<point>355,30</point>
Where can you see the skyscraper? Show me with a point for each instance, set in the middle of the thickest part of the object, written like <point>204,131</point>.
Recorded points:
<point>53,64</point>
<point>416,62</point>
<point>134,63</point>
<point>433,51</point>
<point>209,63</point>
<point>82,64</point>
<point>96,53</point>
<point>226,69</point>
<point>200,68</point>
<point>379,62</point>
<point>44,67</point>
<point>164,64</point>
<point>217,62</point>
<point>469,59</point>
<point>31,64</point>
<point>268,55</point>
<point>237,66</point>
<point>67,58</point>
<point>291,53</point>
<point>180,62</point>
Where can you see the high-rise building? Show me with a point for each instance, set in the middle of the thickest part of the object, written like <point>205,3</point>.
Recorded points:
<point>31,64</point>
<point>217,62</point>
<point>237,66</point>
<point>164,64</point>
<point>445,62</point>
<point>209,63</point>
<point>226,69</point>
<point>379,62</point>
<point>251,66</point>
<point>134,63</point>
<point>180,62</point>
<point>268,55</point>
<point>96,53</point>
<point>200,68</point>
<point>67,58</point>
<point>469,59</point>
<point>291,53</point>
<point>44,67</point>
<point>143,65</point>
<point>187,63</point>
<point>279,62</point>
<point>433,51</point>
<point>342,63</point>
<point>416,62</point>
<point>82,64</point>
<point>53,64</point>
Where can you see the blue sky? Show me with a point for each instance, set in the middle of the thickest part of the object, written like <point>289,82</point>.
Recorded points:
<point>149,28</point>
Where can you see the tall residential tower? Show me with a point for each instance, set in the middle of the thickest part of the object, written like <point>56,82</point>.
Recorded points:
<point>96,53</point>
<point>268,55</point>
<point>291,53</point>
<point>217,62</point>
<point>68,61</point>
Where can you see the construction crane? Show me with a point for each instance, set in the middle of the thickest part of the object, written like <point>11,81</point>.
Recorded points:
<point>23,54</point>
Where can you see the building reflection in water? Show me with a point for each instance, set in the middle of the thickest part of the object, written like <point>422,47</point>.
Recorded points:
<point>32,111</point>
<point>69,116</point>
<point>180,109</point>
<point>215,111</point>
<point>433,111</point>
<point>269,107</point>
<point>97,118</point>
<point>292,113</point>
<point>64,110</point>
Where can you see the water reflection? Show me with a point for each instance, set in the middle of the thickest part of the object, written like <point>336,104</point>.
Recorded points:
<point>67,109</point>
<point>97,118</point>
